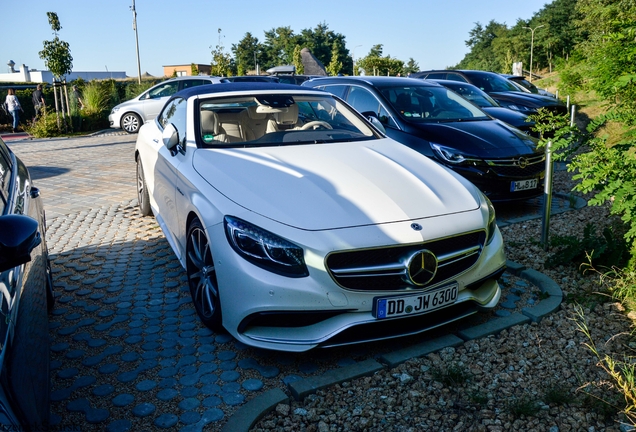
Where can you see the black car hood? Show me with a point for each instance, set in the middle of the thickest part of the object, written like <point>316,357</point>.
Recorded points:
<point>527,99</point>
<point>509,116</point>
<point>482,138</point>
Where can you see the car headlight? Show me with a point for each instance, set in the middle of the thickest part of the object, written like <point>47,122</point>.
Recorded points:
<point>492,220</point>
<point>264,249</point>
<point>451,155</point>
<point>114,110</point>
<point>516,107</point>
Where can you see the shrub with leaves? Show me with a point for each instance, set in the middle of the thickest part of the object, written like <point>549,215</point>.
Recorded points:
<point>44,126</point>
<point>609,172</point>
<point>606,250</point>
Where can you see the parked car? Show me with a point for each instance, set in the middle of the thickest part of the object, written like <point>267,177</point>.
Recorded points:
<point>527,85</point>
<point>500,160</point>
<point>130,115</point>
<point>250,78</point>
<point>491,106</point>
<point>499,88</point>
<point>27,293</point>
<point>287,74</point>
<point>311,228</point>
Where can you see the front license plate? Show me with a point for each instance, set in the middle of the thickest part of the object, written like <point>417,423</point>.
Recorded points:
<point>390,307</point>
<point>521,185</point>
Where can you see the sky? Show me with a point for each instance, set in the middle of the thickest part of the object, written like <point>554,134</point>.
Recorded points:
<point>101,36</point>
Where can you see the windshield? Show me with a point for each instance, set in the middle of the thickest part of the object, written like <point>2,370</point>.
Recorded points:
<point>279,119</point>
<point>473,94</point>
<point>428,103</point>
<point>492,83</point>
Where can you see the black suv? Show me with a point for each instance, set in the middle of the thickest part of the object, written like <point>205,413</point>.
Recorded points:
<point>499,88</point>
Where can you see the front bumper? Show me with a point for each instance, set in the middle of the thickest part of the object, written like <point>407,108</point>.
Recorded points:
<point>297,314</point>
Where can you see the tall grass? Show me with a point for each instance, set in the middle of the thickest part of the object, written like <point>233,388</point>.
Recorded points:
<point>96,98</point>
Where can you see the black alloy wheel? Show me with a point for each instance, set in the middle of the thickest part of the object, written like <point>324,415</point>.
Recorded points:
<point>202,277</point>
<point>142,191</point>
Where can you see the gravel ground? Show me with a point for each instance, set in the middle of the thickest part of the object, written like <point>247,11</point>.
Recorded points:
<point>535,377</point>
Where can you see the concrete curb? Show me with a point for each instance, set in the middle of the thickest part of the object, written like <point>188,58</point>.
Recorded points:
<point>249,414</point>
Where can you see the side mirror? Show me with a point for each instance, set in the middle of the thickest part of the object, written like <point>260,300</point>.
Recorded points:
<point>170,137</point>
<point>374,120</point>
<point>19,235</point>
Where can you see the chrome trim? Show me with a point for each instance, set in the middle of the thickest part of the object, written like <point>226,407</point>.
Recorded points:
<point>401,268</point>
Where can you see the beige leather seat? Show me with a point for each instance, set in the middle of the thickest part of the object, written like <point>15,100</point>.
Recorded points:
<point>256,123</point>
<point>211,130</point>
<point>283,120</point>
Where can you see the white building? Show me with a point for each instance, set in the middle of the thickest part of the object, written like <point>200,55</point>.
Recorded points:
<point>26,75</point>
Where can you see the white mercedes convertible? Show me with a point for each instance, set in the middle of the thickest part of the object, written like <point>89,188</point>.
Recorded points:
<point>301,225</point>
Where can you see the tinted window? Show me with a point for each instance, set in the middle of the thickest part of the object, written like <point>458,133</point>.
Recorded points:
<point>364,101</point>
<point>5,176</point>
<point>492,83</point>
<point>194,83</point>
<point>436,75</point>
<point>175,113</point>
<point>338,90</point>
<point>163,90</point>
<point>456,77</point>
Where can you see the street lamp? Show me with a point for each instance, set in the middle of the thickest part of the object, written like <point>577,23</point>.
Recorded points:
<point>353,57</point>
<point>532,45</point>
<point>134,11</point>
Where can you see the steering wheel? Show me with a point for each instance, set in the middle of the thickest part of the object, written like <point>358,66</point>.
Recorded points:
<point>316,124</point>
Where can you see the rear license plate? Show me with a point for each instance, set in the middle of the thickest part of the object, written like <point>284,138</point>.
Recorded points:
<point>522,185</point>
<point>415,304</point>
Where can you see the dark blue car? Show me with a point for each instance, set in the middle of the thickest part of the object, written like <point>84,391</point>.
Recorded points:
<point>502,161</point>
<point>26,296</point>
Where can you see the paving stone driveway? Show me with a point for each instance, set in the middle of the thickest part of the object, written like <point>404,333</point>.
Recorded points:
<point>128,352</point>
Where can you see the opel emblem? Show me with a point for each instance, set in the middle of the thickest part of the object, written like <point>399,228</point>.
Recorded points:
<point>422,267</point>
<point>523,162</point>
<point>416,226</point>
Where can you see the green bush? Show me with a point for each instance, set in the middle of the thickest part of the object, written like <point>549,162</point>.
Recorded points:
<point>45,126</point>
<point>606,250</point>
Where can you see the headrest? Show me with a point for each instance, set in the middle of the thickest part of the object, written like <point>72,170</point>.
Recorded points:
<point>287,117</point>
<point>209,123</point>
<point>252,112</point>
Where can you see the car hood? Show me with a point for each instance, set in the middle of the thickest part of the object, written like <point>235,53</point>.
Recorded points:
<point>482,138</point>
<point>340,185</point>
<point>509,116</point>
<point>528,99</point>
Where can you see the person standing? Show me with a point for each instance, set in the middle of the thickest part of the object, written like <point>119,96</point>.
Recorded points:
<point>77,97</point>
<point>13,106</point>
<point>38,101</point>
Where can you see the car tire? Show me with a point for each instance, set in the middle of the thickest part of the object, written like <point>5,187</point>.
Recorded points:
<point>130,122</point>
<point>202,281</point>
<point>142,191</point>
<point>50,295</point>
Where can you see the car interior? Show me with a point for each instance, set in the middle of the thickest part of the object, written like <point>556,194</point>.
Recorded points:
<point>245,121</point>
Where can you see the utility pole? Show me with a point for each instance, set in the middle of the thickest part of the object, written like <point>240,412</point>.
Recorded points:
<point>134,12</point>
<point>532,45</point>
<point>353,54</point>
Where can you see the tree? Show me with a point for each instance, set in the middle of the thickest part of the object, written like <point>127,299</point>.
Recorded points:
<point>194,70</point>
<point>335,66</point>
<point>57,58</point>
<point>247,53</point>
<point>411,66</point>
<point>320,42</point>
<point>56,53</point>
<point>221,64</point>
<point>279,47</point>
<point>482,54</point>
<point>298,60</point>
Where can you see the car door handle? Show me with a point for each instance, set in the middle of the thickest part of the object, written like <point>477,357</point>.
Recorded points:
<point>179,190</point>
<point>156,140</point>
